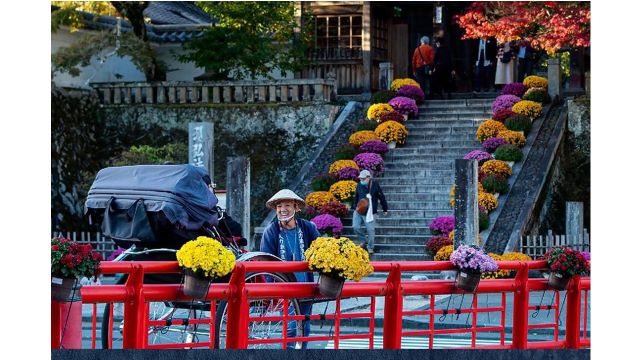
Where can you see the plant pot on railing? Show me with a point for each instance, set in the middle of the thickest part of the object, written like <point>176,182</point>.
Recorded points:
<point>467,281</point>
<point>61,288</point>
<point>203,260</point>
<point>471,262</point>
<point>558,281</point>
<point>330,285</point>
<point>196,286</point>
<point>323,255</point>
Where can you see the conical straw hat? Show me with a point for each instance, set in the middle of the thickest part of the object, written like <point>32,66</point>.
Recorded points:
<point>284,194</point>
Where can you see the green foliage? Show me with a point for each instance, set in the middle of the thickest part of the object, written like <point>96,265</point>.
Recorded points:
<point>68,14</point>
<point>508,152</point>
<point>483,220</point>
<point>176,153</point>
<point>250,39</point>
<point>322,182</point>
<point>518,123</point>
<point>495,184</point>
<point>366,124</point>
<point>383,96</point>
<point>537,95</point>
<point>346,152</point>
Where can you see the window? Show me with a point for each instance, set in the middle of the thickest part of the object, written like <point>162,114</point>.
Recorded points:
<point>344,31</point>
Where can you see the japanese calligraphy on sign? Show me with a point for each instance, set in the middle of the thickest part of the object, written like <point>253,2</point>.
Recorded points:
<point>201,145</point>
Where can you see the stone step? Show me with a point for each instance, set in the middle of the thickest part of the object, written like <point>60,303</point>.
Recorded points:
<point>442,153</point>
<point>455,109</point>
<point>451,115</point>
<point>438,138</point>
<point>418,164</point>
<point>403,240</point>
<point>414,196</point>
<point>418,173</point>
<point>393,158</point>
<point>442,130</point>
<point>404,221</point>
<point>445,144</point>
<point>457,102</point>
<point>430,186</point>
<point>454,121</point>
<point>399,248</point>
<point>393,231</point>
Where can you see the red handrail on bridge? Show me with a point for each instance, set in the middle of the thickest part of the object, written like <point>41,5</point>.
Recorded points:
<point>135,296</point>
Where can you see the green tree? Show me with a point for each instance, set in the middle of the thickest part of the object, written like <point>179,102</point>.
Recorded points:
<point>136,45</point>
<point>250,39</point>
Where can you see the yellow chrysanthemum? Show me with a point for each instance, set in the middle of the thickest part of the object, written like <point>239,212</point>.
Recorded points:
<point>496,167</point>
<point>206,256</point>
<point>343,190</point>
<point>528,108</point>
<point>514,138</point>
<point>489,128</point>
<point>515,256</point>
<point>377,110</point>
<point>390,131</point>
<point>451,235</point>
<point>318,199</point>
<point>341,164</point>
<point>360,137</point>
<point>495,274</point>
<point>487,201</point>
<point>398,83</point>
<point>339,257</point>
<point>535,81</point>
<point>444,253</point>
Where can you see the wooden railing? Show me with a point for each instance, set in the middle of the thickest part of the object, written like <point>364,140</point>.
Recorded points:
<point>215,92</point>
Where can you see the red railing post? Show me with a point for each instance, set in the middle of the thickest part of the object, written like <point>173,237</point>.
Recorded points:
<point>55,324</point>
<point>133,311</point>
<point>573,314</point>
<point>237,311</point>
<point>521,308</point>
<point>392,328</point>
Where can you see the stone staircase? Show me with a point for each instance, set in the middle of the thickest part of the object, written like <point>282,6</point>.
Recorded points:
<point>419,175</point>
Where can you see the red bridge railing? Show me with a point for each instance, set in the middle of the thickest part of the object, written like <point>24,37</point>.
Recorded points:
<point>136,296</point>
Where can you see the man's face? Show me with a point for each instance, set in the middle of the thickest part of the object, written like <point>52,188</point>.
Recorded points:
<point>286,208</point>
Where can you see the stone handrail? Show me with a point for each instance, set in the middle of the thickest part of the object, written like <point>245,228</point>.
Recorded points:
<point>216,92</point>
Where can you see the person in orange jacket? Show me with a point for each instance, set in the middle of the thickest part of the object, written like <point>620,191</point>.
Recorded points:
<point>421,64</point>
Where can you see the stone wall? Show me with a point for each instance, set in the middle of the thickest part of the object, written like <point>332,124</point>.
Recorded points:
<point>278,139</point>
<point>570,174</point>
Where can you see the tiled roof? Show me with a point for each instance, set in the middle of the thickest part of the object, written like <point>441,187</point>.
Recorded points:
<point>170,21</point>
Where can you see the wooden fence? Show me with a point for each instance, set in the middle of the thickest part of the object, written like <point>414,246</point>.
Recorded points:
<point>215,92</point>
<point>99,242</point>
<point>536,245</point>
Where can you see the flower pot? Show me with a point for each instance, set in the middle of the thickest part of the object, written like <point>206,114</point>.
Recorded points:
<point>510,163</point>
<point>521,132</point>
<point>330,286</point>
<point>467,281</point>
<point>347,204</point>
<point>195,286</point>
<point>391,145</point>
<point>406,117</point>
<point>558,280</point>
<point>61,288</point>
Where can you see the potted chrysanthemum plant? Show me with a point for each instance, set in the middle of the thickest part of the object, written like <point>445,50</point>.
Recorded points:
<point>203,260</point>
<point>471,261</point>
<point>337,260</point>
<point>69,262</point>
<point>565,263</point>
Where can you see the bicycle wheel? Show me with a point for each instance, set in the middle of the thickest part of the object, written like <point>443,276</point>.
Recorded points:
<point>262,330</point>
<point>158,334</point>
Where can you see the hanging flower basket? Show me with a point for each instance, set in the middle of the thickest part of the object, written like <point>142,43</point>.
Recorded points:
<point>195,286</point>
<point>61,288</point>
<point>558,281</point>
<point>467,281</point>
<point>330,286</point>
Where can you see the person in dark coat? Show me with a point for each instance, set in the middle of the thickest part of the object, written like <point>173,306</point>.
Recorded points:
<point>367,186</point>
<point>288,238</point>
<point>485,63</point>
<point>442,72</point>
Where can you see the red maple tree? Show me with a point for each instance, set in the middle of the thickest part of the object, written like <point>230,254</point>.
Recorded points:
<point>547,26</point>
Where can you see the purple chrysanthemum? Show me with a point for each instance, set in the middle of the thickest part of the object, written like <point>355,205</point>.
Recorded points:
<point>347,173</point>
<point>479,155</point>
<point>374,146</point>
<point>492,143</point>
<point>370,161</point>
<point>504,102</point>
<point>404,105</point>
<point>328,224</point>
<point>517,89</point>
<point>473,259</point>
<point>442,225</point>
<point>412,92</point>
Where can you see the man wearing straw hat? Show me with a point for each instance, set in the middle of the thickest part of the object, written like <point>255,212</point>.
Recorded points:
<point>288,238</point>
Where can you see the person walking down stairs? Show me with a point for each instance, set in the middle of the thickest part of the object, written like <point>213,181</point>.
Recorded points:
<point>365,208</point>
